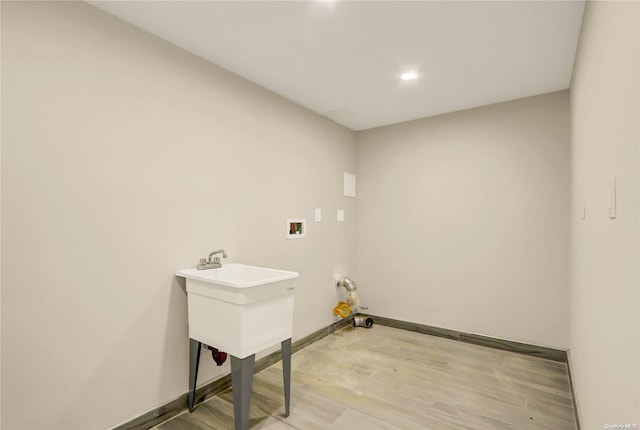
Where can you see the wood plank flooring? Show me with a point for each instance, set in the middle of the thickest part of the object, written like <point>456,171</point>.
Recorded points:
<point>384,378</point>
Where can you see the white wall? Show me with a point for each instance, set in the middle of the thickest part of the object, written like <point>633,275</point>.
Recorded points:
<point>125,159</point>
<point>605,298</point>
<point>463,220</point>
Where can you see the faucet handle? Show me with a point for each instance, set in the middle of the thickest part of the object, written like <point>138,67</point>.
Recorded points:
<point>203,262</point>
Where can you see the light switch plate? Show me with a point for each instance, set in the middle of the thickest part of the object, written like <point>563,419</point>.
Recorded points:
<point>318,215</point>
<point>612,198</point>
<point>340,215</point>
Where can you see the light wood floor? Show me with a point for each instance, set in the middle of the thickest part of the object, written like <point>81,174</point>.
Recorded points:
<point>385,378</point>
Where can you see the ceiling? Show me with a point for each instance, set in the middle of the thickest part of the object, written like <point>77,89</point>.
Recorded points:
<point>343,59</point>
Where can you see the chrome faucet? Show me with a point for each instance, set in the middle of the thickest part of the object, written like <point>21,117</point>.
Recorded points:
<point>212,264</point>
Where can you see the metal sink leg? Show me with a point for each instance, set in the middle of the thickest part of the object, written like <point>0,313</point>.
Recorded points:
<point>242,386</point>
<point>241,381</point>
<point>286,374</point>
<point>194,359</point>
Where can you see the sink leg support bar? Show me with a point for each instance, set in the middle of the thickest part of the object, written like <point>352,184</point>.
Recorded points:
<point>286,374</point>
<point>242,385</point>
<point>194,359</point>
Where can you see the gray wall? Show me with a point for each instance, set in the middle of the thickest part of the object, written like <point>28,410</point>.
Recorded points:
<point>125,159</point>
<point>605,264</point>
<point>463,220</point>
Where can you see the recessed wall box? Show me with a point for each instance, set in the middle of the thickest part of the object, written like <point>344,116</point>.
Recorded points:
<point>296,228</point>
<point>349,185</point>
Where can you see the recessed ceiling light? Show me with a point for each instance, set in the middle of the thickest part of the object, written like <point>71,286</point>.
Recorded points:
<point>408,76</point>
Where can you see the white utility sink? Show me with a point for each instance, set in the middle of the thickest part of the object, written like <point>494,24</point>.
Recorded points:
<point>240,309</point>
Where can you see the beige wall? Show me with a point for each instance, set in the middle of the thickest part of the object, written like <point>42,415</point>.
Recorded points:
<point>0,219</point>
<point>463,220</point>
<point>605,121</point>
<point>125,159</point>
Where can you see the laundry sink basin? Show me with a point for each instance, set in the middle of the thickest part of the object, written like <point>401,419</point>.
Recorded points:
<point>240,309</point>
